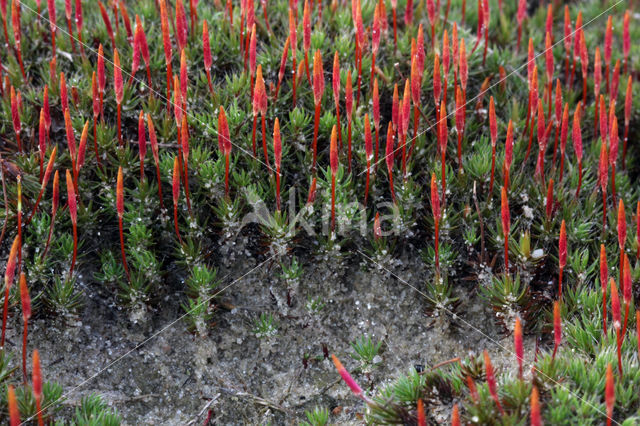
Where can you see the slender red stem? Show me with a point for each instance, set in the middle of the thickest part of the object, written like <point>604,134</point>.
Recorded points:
<point>70,29</point>
<point>349,145</point>
<point>75,248</point>
<point>613,182</point>
<point>560,283</point>
<point>124,256</point>
<point>24,352</point>
<point>209,81</point>
<point>604,311</point>
<point>619,344</point>
<point>226,175</point>
<point>333,202</point>
<point>306,66</point>
<point>366,188</point>
<point>278,188</point>
<point>95,143</point>
<point>120,142</point>
<point>175,221</point>
<point>264,142</point>
<point>437,244</point>
<point>253,134</point>
<point>493,167</point>
<point>316,123</point>
<point>5,313</point>
<point>46,247</point>
<point>604,209</point>
<point>359,58</point>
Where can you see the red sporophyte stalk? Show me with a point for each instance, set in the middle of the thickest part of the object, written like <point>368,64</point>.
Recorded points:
<point>431,15</point>
<point>25,302</point>
<point>96,111</point>
<point>622,231</point>
<point>627,291</point>
<point>184,79</point>
<point>333,161</point>
<point>389,159</point>
<point>542,141</point>
<point>437,215</point>
<point>563,138</point>
<point>395,107</point>
<point>51,6</point>
<point>376,119</point>
<point>613,147</point>
<point>120,210</point>
<point>64,94</point>
<point>517,343</point>
<point>608,35</point>
<point>184,140</point>
<point>260,106</point>
<point>617,321</point>
<point>609,394</point>
<point>82,148</point>
<point>463,72</point>
<point>416,82</point>
<point>562,255</point>
<point>360,44</point>
<point>107,23</point>
<point>576,47</point>
<point>68,13</point>
<point>252,57</point>
<point>135,61</point>
<point>176,195</point>
<point>584,65</point>
<point>45,181</point>
<point>508,154</point>
<point>520,15</point>
<point>557,328</point>
<point>604,278</point>
<point>224,143</point>
<point>535,416</point>
<point>491,381</point>
<point>368,149</point>
<point>567,41</point>
<point>348,106</point>
<point>480,26</point>
<point>318,90</point>
<point>626,39</point>
<point>153,141</point>
<point>603,178</point>
<point>15,23</point>
<point>283,64</point>
<point>79,22</point>
<point>311,197</point>
<point>306,36</point>
<point>166,44</point>
<point>206,49</point>
<point>493,130</point>
<point>122,9</point>
<point>36,381</point>
<point>506,225</point>
<point>102,79</point>
<point>46,110</point>
<point>597,79</point>
<point>8,281</point>
<point>14,412</point>
<point>277,155</point>
<point>142,143</point>
<point>446,60</point>
<point>443,133</point>
<point>615,81</point>
<point>473,391</point>
<point>15,117</point>
<point>73,213</point>
<point>549,204</point>
<point>548,56</point>
<point>437,83</point>
<point>421,418</point>
<point>335,86</point>
<point>119,90</point>
<point>292,40</point>
<point>42,142</point>
<point>533,101</point>
<point>406,118</point>
<point>54,209</point>
<point>181,25</point>
<point>628,105</point>
<point>375,40</point>
<point>577,143</point>
<point>557,119</point>
<point>355,388</point>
